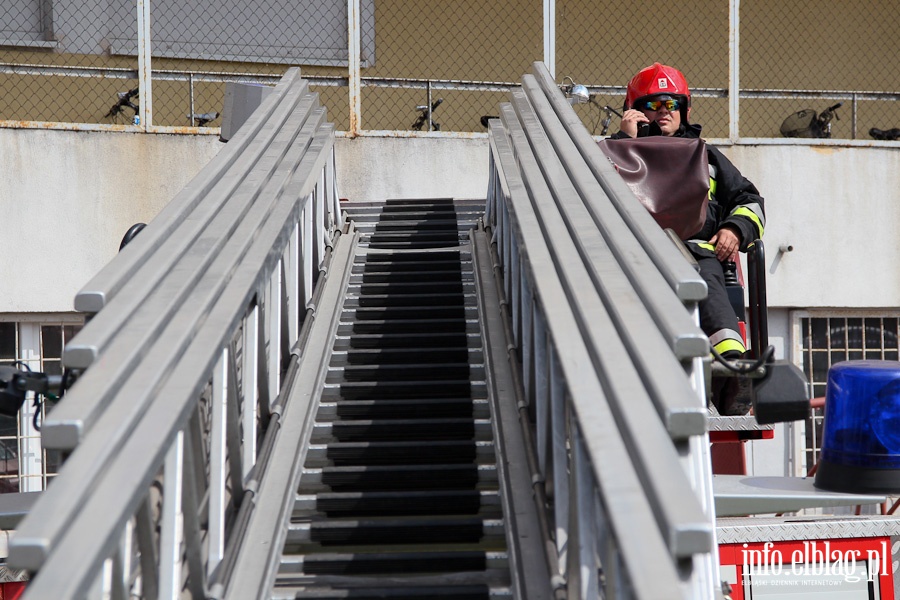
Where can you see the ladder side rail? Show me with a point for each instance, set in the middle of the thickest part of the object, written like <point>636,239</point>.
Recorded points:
<point>613,355</point>
<point>102,487</point>
<point>679,273</point>
<point>242,147</point>
<point>256,556</point>
<point>616,478</point>
<point>612,257</point>
<point>160,354</point>
<point>680,399</point>
<point>535,154</point>
<point>139,314</point>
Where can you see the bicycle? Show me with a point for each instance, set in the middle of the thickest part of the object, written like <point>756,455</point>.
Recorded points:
<point>426,114</point>
<point>117,111</point>
<point>807,124</point>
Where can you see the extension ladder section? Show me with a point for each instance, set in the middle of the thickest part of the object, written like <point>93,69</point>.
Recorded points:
<point>399,495</point>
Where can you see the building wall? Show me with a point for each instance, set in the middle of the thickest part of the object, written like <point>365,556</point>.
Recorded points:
<point>68,197</point>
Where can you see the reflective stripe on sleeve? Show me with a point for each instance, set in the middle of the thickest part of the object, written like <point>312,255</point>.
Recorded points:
<point>703,244</point>
<point>727,339</point>
<point>728,345</point>
<point>753,212</point>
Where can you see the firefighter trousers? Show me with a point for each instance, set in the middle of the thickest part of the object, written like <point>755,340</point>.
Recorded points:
<point>717,317</point>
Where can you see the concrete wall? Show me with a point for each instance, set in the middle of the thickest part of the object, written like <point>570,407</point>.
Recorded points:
<point>379,168</point>
<point>839,208</point>
<point>68,197</point>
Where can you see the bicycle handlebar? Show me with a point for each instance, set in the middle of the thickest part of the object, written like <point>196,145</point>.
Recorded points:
<point>124,99</point>
<point>434,105</point>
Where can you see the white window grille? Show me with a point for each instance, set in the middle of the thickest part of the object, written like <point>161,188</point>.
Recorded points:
<point>30,342</point>
<point>822,339</point>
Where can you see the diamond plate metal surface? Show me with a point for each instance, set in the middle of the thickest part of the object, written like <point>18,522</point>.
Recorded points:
<point>775,529</point>
<point>745,423</point>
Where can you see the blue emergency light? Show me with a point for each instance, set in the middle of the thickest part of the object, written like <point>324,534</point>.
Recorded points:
<point>861,438</point>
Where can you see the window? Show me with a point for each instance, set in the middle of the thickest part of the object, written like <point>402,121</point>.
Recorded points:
<point>26,23</point>
<point>24,465</point>
<point>825,339</point>
<point>304,32</point>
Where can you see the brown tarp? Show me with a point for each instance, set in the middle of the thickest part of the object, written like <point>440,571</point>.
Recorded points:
<point>669,176</point>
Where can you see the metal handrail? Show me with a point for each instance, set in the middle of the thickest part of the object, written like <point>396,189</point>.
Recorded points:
<point>562,254</point>
<point>190,428</point>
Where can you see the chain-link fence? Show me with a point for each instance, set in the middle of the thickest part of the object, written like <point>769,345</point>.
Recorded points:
<point>800,56</point>
<point>57,61</point>
<point>456,52</point>
<point>602,45</point>
<point>75,61</point>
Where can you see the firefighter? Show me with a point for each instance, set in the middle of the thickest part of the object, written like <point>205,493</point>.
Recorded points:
<point>659,96</point>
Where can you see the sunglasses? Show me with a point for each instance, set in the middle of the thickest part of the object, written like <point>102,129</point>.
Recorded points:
<point>654,105</point>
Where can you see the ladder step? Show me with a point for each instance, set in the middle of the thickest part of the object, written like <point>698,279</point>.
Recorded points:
<point>399,356</point>
<point>385,563</point>
<point>416,256</point>
<point>395,531</point>
<point>413,234</point>
<point>427,242</point>
<point>411,340</point>
<point>432,388</point>
<point>360,504</point>
<point>403,408</point>
<point>449,592</point>
<point>415,300</point>
<point>403,430</point>
<point>420,313</point>
<point>397,326</point>
<point>399,373</point>
<point>413,287</point>
<point>370,277</point>
<point>408,222</point>
<point>402,453</point>
<point>345,454</point>
<point>401,477</point>
<point>439,265</point>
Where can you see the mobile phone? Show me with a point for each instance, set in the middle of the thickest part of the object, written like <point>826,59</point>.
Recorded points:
<point>648,129</point>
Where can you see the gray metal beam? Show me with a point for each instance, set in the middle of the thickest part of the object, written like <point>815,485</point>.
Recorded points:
<point>630,510</point>
<point>614,259</point>
<point>141,313</point>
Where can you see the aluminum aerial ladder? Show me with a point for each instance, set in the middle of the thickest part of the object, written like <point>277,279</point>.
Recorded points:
<point>266,406</point>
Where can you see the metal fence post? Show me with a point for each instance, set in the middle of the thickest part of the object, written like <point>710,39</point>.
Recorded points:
<point>144,79</point>
<point>550,36</point>
<point>353,64</point>
<point>734,62</point>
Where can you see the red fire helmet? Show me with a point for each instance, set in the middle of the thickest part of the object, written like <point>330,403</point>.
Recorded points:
<point>657,79</point>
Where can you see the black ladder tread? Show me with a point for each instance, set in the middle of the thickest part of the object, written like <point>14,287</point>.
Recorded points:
<point>432,502</point>
<point>399,496</point>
